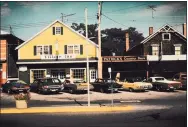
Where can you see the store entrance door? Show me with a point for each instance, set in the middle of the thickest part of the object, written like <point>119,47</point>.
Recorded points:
<point>60,74</point>
<point>93,75</point>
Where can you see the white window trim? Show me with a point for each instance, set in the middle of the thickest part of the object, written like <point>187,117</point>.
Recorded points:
<point>56,31</point>
<point>164,38</point>
<point>43,50</point>
<point>74,49</point>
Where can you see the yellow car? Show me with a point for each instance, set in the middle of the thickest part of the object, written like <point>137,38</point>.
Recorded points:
<point>135,84</point>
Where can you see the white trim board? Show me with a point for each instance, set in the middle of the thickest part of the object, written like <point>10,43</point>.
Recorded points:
<point>51,25</point>
<point>51,62</point>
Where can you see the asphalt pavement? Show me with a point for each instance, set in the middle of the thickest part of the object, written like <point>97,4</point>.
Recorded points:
<point>160,112</point>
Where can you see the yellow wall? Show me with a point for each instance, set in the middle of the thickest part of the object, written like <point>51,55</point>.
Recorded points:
<point>47,38</point>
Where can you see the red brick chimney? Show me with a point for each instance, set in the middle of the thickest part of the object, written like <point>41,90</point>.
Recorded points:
<point>150,30</point>
<point>126,41</point>
<point>185,30</point>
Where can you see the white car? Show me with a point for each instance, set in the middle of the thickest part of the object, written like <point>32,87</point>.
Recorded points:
<point>160,83</point>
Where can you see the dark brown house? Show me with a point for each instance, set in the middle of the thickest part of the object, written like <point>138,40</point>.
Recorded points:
<point>165,49</point>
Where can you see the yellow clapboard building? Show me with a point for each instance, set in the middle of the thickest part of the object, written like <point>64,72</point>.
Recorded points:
<point>57,51</point>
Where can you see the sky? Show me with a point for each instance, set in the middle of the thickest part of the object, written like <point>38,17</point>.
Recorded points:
<point>28,18</point>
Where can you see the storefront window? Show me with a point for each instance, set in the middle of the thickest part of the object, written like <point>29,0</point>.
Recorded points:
<point>38,74</point>
<point>78,74</point>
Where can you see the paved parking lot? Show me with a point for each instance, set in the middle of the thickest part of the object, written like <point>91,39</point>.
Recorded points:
<point>64,98</point>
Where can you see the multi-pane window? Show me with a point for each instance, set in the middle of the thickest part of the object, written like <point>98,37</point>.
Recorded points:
<point>166,36</point>
<point>39,50</point>
<point>43,50</point>
<point>46,49</point>
<point>78,74</point>
<point>58,30</point>
<point>177,50</point>
<point>38,74</point>
<point>155,50</point>
<point>76,49</point>
<point>70,49</point>
<point>73,49</point>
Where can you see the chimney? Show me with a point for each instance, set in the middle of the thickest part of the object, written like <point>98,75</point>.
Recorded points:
<point>150,30</point>
<point>126,41</point>
<point>185,30</point>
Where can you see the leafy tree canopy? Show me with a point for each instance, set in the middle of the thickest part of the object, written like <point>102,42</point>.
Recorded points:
<point>113,39</point>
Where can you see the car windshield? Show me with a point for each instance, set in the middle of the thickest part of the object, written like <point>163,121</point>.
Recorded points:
<point>19,82</point>
<point>157,79</point>
<point>51,81</point>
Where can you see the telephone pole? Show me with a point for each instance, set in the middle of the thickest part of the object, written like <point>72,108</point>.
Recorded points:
<point>87,70</point>
<point>99,40</point>
<point>63,16</point>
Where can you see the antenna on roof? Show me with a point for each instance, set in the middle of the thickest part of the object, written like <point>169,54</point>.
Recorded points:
<point>152,7</point>
<point>62,16</point>
<point>11,32</point>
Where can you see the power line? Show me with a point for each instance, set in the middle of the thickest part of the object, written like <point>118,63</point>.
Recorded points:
<point>114,20</point>
<point>125,8</point>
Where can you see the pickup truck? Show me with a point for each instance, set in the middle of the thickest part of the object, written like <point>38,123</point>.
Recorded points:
<point>76,86</point>
<point>105,85</point>
<point>181,77</point>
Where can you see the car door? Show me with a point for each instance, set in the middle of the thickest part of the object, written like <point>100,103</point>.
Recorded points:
<point>34,85</point>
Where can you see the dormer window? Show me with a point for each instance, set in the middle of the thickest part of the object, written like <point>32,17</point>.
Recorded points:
<point>166,36</point>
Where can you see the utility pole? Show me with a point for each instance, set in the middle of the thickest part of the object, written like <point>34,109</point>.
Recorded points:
<point>62,16</point>
<point>99,40</point>
<point>88,89</point>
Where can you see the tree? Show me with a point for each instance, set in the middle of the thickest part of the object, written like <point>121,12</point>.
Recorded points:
<point>92,30</point>
<point>113,39</point>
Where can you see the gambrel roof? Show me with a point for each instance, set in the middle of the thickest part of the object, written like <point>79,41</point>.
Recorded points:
<point>166,28</point>
<point>51,25</point>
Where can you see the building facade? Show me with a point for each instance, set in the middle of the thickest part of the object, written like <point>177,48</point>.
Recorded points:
<point>57,51</point>
<point>166,51</point>
<point>8,56</point>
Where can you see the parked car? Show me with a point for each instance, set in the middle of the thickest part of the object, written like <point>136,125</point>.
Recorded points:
<point>135,84</point>
<point>79,85</point>
<point>106,85</point>
<point>160,83</point>
<point>45,85</point>
<point>15,86</point>
<point>181,77</point>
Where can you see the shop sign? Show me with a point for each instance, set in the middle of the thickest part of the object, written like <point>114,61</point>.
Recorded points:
<point>123,58</point>
<point>65,56</point>
<point>23,68</point>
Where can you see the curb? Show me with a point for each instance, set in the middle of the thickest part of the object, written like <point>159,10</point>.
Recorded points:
<point>65,109</point>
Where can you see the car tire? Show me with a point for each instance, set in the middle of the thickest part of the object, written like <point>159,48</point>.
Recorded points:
<point>9,91</point>
<point>131,90</point>
<point>71,90</point>
<point>158,88</point>
<point>101,90</point>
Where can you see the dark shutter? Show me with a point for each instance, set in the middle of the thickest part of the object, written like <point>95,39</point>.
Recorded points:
<point>50,49</point>
<point>53,30</point>
<point>81,49</point>
<point>61,30</point>
<point>35,50</point>
<point>65,49</point>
